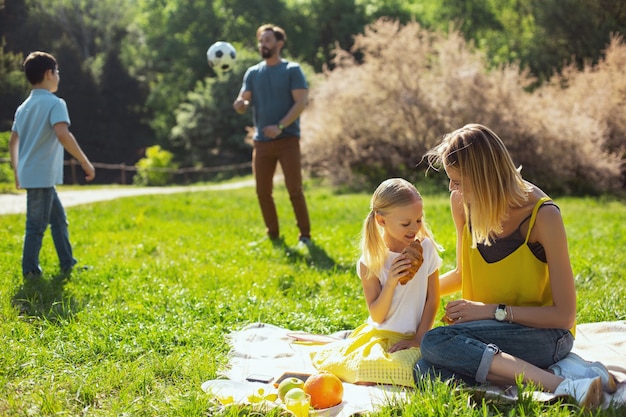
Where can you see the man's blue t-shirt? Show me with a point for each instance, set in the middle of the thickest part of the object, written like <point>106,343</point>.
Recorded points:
<point>40,159</point>
<point>271,88</point>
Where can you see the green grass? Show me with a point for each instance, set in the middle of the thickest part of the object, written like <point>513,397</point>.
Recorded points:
<point>172,275</point>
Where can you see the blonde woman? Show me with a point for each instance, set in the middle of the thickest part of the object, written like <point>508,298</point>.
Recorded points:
<point>516,315</point>
<point>385,348</point>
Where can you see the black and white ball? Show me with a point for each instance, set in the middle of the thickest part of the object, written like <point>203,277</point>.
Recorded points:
<point>221,56</point>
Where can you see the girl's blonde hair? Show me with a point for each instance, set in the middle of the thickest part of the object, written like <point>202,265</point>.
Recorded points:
<point>390,194</point>
<point>486,167</point>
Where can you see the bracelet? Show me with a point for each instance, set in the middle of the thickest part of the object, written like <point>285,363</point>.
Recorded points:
<point>511,314</point>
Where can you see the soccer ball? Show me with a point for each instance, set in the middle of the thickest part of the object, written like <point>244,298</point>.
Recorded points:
<point>221,56</point>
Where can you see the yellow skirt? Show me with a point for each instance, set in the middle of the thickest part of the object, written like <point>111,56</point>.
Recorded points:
<point>364,357</point>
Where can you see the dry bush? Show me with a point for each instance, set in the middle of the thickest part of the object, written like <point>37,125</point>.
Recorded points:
<point>373,119</point>
<point>576,124</point>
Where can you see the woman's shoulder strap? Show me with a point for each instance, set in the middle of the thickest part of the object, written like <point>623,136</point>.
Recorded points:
<point>533,216</point>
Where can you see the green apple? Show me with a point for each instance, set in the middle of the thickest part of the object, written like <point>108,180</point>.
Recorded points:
<point>295,394</point>
<point>287,384</point>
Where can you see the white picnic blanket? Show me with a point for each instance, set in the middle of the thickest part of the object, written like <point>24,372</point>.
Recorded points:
<point>262,348</point>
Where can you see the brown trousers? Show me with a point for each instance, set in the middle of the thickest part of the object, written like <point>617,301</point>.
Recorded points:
<point>265,156</point>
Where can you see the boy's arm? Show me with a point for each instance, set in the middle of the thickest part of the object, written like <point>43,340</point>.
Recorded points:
<point>14,151</point>
<point>68,141</point>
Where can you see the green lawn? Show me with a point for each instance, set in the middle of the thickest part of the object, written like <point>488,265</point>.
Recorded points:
<point>173,274</point>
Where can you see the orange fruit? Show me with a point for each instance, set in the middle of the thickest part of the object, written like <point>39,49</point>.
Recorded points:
<point>325,389</point>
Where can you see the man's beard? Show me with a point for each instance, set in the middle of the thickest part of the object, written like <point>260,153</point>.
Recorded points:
<point>266,53</point>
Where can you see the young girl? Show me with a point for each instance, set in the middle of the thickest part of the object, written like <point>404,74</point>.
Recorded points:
<point>385,348</point>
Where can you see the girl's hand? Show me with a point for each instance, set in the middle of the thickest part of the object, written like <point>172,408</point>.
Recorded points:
<point>398,269</point>
<point>462,311</point>
<point>402,345</point>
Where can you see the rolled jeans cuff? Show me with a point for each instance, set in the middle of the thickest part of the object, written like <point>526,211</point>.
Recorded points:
<point>485,363</point>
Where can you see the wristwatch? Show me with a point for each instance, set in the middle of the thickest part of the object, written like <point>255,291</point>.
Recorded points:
<point>500,313</point>
<point>281,126</point>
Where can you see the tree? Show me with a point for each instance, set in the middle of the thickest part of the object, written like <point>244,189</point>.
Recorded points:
<point>572,31</point>
<point>13,85</point>
<point>91,25</point>
<point>325,25</point>
<point>167,48</point>
<point>208,132</point>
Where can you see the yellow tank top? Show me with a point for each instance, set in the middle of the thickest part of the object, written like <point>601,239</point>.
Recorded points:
<point>520,279</point>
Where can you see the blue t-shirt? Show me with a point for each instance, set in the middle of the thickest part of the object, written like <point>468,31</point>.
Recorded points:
<point>271,88</point>
<point>40,159</point>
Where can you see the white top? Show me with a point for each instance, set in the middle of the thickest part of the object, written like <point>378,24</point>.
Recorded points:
<point>408,300</point>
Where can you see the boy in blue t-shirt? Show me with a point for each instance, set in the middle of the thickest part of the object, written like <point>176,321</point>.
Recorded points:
<point>39,134</point>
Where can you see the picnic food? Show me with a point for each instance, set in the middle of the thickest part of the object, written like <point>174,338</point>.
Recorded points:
<point>298,402</point>
<point>414,252</point>
<point>295,394</point>
<point>325,389</point>
<point>287,384</point>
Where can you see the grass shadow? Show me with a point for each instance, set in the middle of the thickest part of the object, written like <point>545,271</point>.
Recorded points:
<point>311,253</point>
<point>46,299</point>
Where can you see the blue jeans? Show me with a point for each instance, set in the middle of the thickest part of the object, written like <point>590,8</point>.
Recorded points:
<point>464,351</point>
<point>44,208</point>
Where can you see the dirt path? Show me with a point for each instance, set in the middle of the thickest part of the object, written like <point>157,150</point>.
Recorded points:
<point>16,203</point>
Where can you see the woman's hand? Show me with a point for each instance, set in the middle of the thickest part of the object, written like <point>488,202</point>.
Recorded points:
<point>462,311</point>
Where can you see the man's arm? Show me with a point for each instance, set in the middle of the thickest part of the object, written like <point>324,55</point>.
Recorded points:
<point>242,102</point>
<point>300,98</point>
<point>68,141</point>
<point>14,152</point>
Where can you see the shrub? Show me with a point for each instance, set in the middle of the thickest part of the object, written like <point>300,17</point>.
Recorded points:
<point>582,113</point>
<point>155,168</point>
<point>375,117</point>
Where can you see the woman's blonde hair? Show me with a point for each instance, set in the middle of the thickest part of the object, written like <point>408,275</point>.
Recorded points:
<point>390,194</point>
<point>486,167</point>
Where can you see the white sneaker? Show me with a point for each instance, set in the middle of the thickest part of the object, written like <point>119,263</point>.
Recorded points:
<point>574,367</point>
<point>587,391</point>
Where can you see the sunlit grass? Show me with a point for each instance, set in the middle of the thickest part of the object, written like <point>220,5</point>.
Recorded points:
<point>171,275</point>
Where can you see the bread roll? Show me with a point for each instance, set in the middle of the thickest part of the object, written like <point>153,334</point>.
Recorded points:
<point>414,253</point>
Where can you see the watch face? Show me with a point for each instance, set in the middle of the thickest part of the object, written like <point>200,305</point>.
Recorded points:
<point>500,314</point>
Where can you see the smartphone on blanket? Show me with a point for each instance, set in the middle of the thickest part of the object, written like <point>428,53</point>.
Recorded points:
<point>286,375</point>
<point>264,379</point>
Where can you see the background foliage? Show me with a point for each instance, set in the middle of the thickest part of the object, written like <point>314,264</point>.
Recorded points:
<point>148,168</point>
<point>568,135</point>
<point>134,72</point>
<point>6,172</point>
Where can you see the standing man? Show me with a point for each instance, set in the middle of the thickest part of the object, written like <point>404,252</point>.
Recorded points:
<point>277,91</point>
